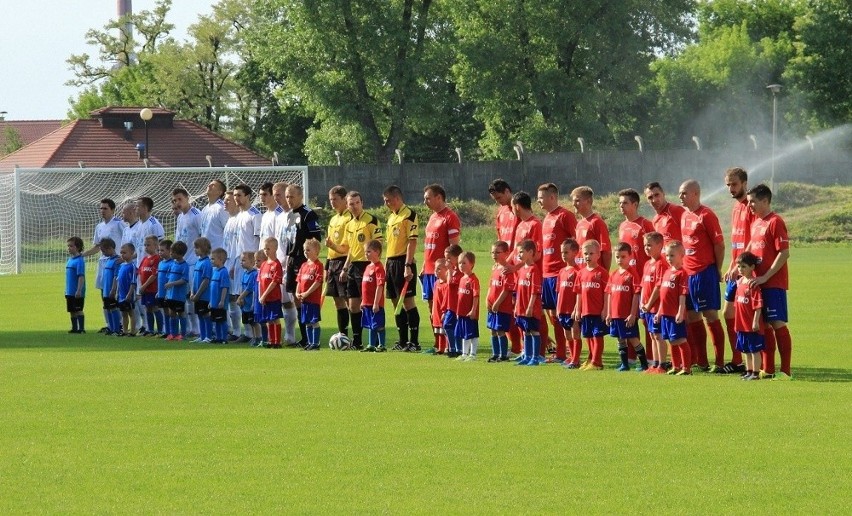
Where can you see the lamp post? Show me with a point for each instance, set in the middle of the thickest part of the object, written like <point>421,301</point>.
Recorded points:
<point>774,88</point>
<point>146,115</point>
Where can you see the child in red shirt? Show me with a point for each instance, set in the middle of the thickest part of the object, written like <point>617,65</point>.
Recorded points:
<point>590,306</point>
<point>499,303</point>
<point>309,292</point>
<point>671,314</point>
<point>467,325</point>
<point>650,299</point>
<point>528,310</point>
<point>372,297</point>
<point>439,305</point>
<point>451,254</point>
<point>623,290</point>
<point>269,280</point>
<point>566,300</point>
<point>748,320</point>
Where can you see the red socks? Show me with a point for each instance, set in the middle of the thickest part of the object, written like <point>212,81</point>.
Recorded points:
<point>736,356</point>
<point>768,353</point>
<point>717,335</point>
<point>545,335</point>
<point>597,344</point>
<point>685,355</point>
<point>696,338</point>
<point>785,348</point>
<point>274,330</point>
<point>514,334</point>
<point>576,350</point>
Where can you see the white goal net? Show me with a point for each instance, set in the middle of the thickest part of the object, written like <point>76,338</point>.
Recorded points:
<point>41,208</point>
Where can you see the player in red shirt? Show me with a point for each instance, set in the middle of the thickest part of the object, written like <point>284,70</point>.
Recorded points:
<point>704,245</point>
<point>748,319</point>
<point>528,311</point>
<point>558,225</point>
<point>566,300</point>
<point>667,219</point>
<point>467,326</point>
<point>622,309</point>
<point>439,306</point>
<point>442,230</point>
<point>373,297</point>
<point>269,280</point>
<point>771,244</point>
<point>671,313</point>
<point>309,293</point>
<point>654,269</point>
<point>736,179</point>
<point>499,302</point>
<point>451,255</point>
<point>590,308</point>
<point>632,232</point>
<point>506,223</point>
<point>148,285</point>
<point>590,225</point>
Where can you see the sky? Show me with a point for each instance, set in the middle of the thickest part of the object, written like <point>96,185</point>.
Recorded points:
<point>38,36</point>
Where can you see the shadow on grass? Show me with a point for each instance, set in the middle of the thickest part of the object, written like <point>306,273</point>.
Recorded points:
<point>98,342</point>
<point>822,374</point>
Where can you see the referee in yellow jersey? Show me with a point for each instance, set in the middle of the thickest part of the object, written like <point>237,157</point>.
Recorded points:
<point>335,288</point>
<point>402,233</point>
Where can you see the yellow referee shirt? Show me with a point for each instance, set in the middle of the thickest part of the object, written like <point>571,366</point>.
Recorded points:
<point>337,232</point>
<point>360,231</point>
<point>402,227</point>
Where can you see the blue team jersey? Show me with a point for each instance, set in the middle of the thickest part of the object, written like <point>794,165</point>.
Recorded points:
<point>202,270</point>
<point>126,280</point>
<point>250,287</point>
<point>219,281</point>
<point>163,277</point>
<point>74,268</point>
<point>178,271</point>
<point>110,274</point>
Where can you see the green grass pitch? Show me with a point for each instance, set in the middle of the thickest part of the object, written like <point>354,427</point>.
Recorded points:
<point>92,424</point>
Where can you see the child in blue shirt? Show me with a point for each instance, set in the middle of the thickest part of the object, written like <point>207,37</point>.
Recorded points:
<point>220,295</point>
<point>126,282</point>
<point>176,291</point>
<point>248,296</point>
<point>75,284</point>
<point>162,278</point>
<point>109,286</point>
<point>202,274</point>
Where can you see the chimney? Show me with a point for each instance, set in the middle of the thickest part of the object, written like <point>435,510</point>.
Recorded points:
<point>125,9</point>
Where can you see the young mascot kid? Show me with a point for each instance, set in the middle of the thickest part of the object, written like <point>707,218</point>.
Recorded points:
<point>591,304</point>
<point>566,301</point>
<point>165,251</point>
<point>109,286</point>
<point>126,285</point>
<point>499,303</point>
<point>247,297</point>
<point>440,303</point>
<point>648,302</point>
<point>528,310</point>
<point>269,291</point>
<point>671,314</point>
<point>148,286</point>
<point>309,292</point>
<point>202,274</point>
<point>623,292</point>
<point>467,326</point>
<point>373,298</point>
<point>451,254</point>
<point>748,319</point>
<point>220,294</point>
<point>176,291</point>
<point>75,284</point>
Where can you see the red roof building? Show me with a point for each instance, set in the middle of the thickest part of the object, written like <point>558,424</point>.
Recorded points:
<point>115,138</point>
<point>28,130</point>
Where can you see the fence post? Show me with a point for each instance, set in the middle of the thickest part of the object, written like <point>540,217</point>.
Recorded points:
<point>18,237</point>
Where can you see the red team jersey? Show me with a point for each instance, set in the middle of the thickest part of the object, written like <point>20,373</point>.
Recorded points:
<point>270,272</point>
<point>558,225</point>
<point>528,289</point>
<point>741,220</point>
<point>747,302</point>
<point>529,229</point>
<point>439,303</point>
<point>442,226</point>
<point>591,284</point>
<point>468,289</point>
<point>701,230</point>
<point>667,222</point>
<point>506,223</point>
<point>651,276</point>
<point>566,298</point>
<point>632,232</point>
<point>453,290</point>
<point>592,227</point>
<point>148,268</point>
<point>768,238</point>
<point>372,281</point>
<point>622,287</point>
<point>498,284</point>
<point>673,284</point>
<point>310,273</point>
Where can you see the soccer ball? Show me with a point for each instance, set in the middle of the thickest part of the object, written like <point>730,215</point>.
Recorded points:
<point>339,341</point>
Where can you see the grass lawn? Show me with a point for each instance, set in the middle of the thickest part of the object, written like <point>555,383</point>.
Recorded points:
<point>97,424</point>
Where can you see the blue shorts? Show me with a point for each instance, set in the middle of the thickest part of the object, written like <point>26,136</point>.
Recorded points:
<point>749,342</point>
<point>270,311</point>
<point>148,299</point>
<point>730,290</point>
<point>258,312</point>
<point>372,320</point>
<point>467,328</point>
<point>309,313</point>
<point>650,325</point>
<point>566,321</point>
<point>774,304</point>
<point>448,322</point>
<point>498,321</point>
<point>618,329</point>
<point>548,293</point>
<point>593,326</point>
<point>671,330</point>
<point>428,283</point>
<point>527,324</point>
<point>704,290</point>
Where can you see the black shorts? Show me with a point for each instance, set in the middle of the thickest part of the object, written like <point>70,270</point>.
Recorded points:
<point>356,273</point>
<point>290,278</point>
<point>160,302</point>
<point>126,306</point>
<point>175,306</point>
<point>74,304</point>
<point>218,315</point>
<point>395,272</point>
<point>333,286</point>
<point>202,308</point>
<point>110,303</point>
<point>248,317</point>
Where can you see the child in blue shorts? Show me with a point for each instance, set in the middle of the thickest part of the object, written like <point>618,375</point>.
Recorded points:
<point>75,284</point>
<point>248,296</point>
<point>748,320</point>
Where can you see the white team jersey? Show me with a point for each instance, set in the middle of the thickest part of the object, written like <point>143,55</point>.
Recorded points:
<point>148,227</point>
<point>285,228</point>
<point>248,222</point>
<point>230,242</point>
<point>213,220</point>
<point>267,223</point>
<point>113,229</point>
<point>187,229</point>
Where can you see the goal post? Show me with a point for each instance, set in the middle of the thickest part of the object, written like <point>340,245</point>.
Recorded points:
<point>41,208</point>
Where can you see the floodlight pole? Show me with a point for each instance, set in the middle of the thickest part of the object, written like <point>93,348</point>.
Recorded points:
<point>774,88</point>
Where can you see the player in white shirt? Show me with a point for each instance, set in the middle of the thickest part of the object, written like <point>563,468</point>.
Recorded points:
<point>187,230</point>
<point>248,221</point>
<point>230,243</point>
<point>148,226</point>
<point>214,216</point>
<point>285,232</point>
<point>268,220</point>
<point>109,227</point>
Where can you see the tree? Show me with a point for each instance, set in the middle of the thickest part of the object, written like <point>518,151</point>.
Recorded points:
<point>13,140</point>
